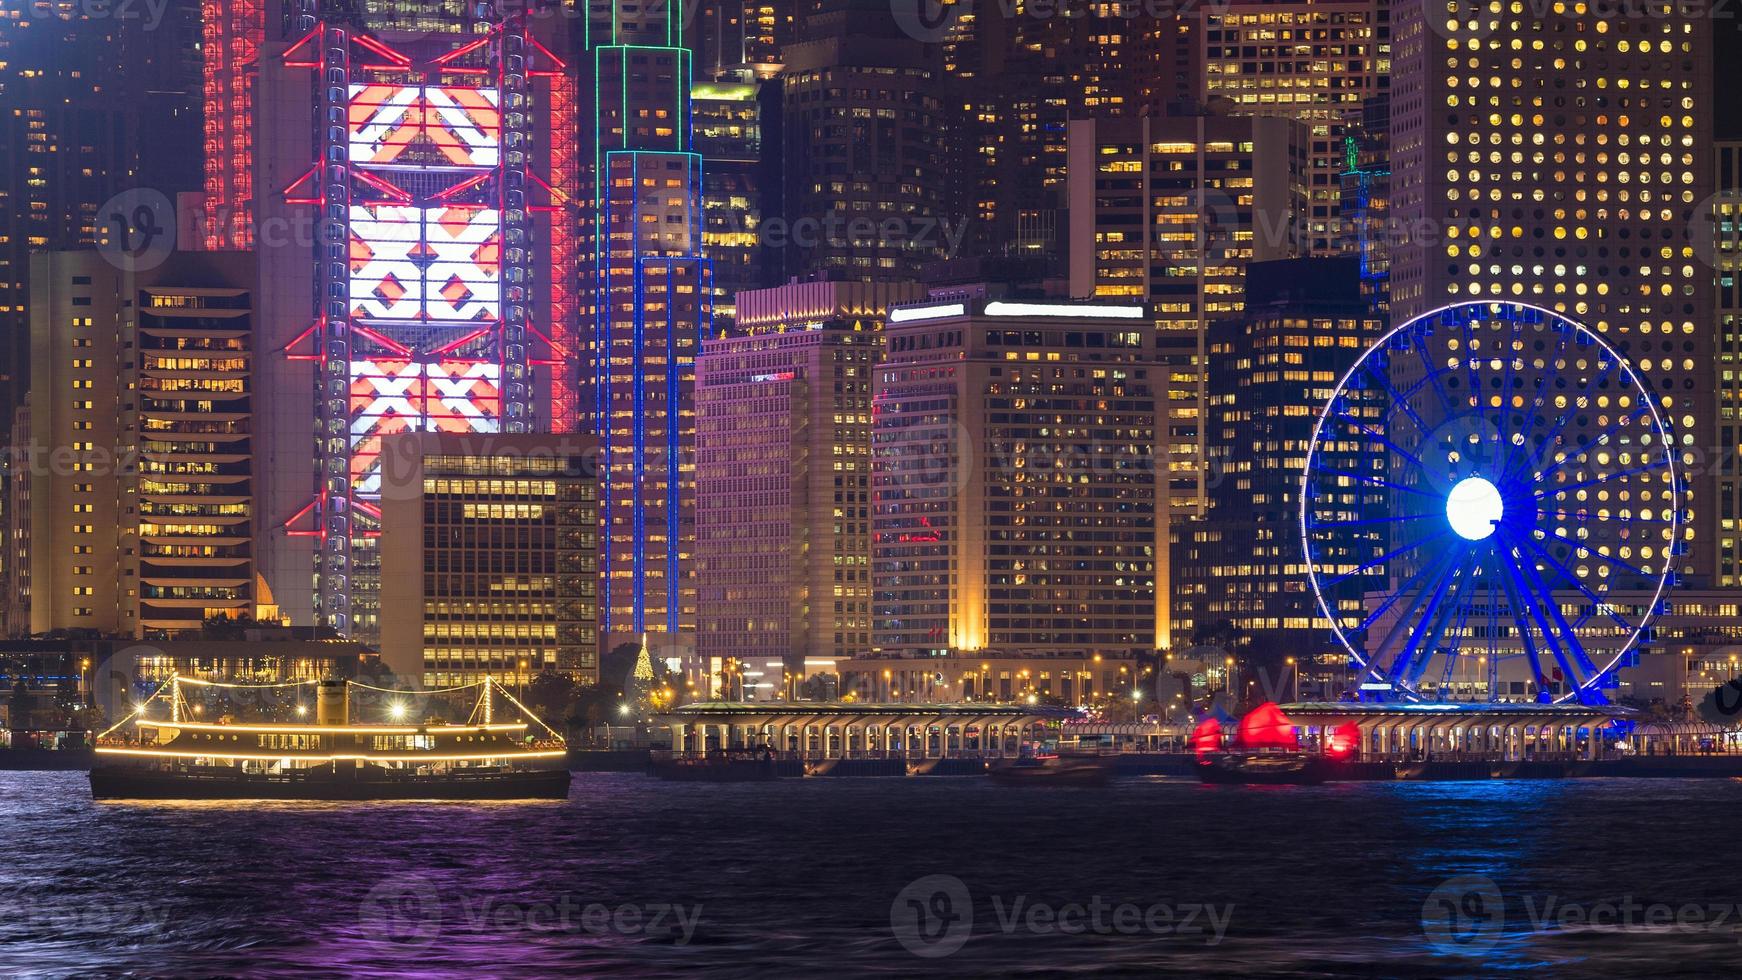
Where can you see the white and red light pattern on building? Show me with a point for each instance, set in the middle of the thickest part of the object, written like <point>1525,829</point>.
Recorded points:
<point>416,264</point>
<point>390,396</point>
<point>463,124</point>
<point>426,319</point>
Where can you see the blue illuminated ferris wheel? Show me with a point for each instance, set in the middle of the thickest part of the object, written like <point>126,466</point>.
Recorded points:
<point>1491,508</point>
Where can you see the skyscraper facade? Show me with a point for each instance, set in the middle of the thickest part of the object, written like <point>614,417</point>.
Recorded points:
<point>729,135</point>
<point>1560,155</point>
<point>649,299</point>
<point>1308,60</point>
<point>1168,212</point>
<point>422,170</point>
<point>1270,367</point>
<point>1018,500</point>
<point>863,123</point>
<point>783,478</point>
<point>140,456</point>
<point>91,97</point>
<point>489,558</point>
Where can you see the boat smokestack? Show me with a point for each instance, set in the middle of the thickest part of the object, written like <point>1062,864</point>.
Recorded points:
<point>333,707</point>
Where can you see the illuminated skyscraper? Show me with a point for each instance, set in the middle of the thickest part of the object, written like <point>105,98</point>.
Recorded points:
<point>783,478</point>
<point>729,135</point>
<point>91,103</point>
<point>1018,497</point>
<point>864,131</point>
<point>1270,367</point>
<point>1560,155</point>
<point>144,378</point>
<point>413,205</point>
<point>649,298</point>
<point>1309,60</point>
<point>1169,211</point>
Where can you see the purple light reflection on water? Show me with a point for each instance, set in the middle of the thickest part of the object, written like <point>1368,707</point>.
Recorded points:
<point>637,877</point>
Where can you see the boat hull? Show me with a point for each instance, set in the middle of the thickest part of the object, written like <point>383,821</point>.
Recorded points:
<point>132,783</point>
<point>1296,770</point>
<point>1065,774</point>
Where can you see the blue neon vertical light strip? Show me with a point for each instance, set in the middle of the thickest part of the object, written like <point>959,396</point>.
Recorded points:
<point>640,383</point>
<point>673,462</point>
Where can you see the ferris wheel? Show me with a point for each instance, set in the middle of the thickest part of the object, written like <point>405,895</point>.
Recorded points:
<point>1491,508</point>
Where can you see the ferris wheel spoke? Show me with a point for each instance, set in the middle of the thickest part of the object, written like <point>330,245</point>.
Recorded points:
<point>1567,632</point>
<point>1376,481</point>
<point>1333,583</point>
<point>1598,602</point>
<point>1568,415</point>
<point>1605,478</point>
<point>1384,440</point>
<point>1448,606</point>
<point>1594,553</point>
<point>1601,440</point>
<point>1538,399</point>
<point>1458,628</point>
<point>1564,515</point>
<point>1375,520</point>
<point>1397,399</point>
<point>1384,607</point>
<point>1424,583</point>
<point>1428,627</point>
<point>1433,378</point>
<point>1523,615</point>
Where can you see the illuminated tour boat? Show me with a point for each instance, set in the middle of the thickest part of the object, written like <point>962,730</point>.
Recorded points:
<point>164,751</point>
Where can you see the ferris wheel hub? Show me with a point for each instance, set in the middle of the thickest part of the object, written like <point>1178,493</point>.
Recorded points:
<point>1474,507</point>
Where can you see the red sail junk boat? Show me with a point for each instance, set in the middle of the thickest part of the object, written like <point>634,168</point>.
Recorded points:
<point>1266,750</point>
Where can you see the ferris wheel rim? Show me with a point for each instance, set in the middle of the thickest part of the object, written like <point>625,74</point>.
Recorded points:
<point>1367,664</point>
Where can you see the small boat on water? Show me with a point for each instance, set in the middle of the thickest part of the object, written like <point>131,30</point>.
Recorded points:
<point>729,766</point>
<point>1087,771</point>
<point>1263,769</point>
<point>1265,751</point>
<point>181,758</point>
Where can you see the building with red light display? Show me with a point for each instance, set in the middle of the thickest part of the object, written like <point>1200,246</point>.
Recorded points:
<point>408,184</point>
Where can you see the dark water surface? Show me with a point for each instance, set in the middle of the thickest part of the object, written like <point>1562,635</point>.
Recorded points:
<point>816,877</point>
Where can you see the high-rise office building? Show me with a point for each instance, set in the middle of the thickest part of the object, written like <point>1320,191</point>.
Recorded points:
<point>418,169</point>
<point>649,293</point>
<point>91,104</point>
<point>1726,218</point>
<point>1013,82</point>
<point>730,35</point>
<point>1168,212</point>
<point>1366,200</point>
<point>783,481</point>
<point>489,558</point>
<point>140,445</point>
<point>1018,492</point>
<point>1559,155</point>
<point>863,124</point>
<point>728,115</point>
<point>1309,60</point>
<point>1270,367</point>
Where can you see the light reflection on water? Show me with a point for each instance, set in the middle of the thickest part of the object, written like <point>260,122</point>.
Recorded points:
<point>799,877</point>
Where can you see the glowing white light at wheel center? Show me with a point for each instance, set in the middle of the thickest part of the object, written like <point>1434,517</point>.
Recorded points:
<point>1473,508</point>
